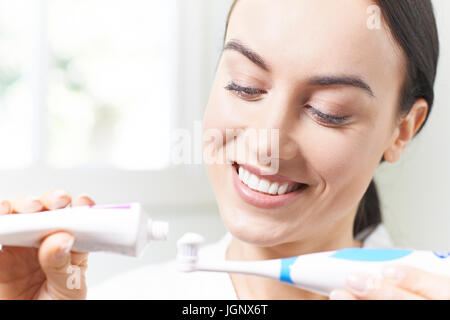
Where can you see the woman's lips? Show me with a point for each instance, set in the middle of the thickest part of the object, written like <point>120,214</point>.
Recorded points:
<point>260,199</point>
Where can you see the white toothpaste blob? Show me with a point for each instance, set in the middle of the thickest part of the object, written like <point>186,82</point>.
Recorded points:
<point>124,229</point>
<point>188,246</point>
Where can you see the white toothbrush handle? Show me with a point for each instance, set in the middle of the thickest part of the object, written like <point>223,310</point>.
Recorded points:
<point>321,273</point>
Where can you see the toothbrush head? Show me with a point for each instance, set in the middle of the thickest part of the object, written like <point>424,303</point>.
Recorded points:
<point>187,254</point>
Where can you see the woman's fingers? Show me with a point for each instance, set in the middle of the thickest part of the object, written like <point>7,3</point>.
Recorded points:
<point>64,280</point>
<point>55,199</point>
<point>80,258</point>
<point>64,268</point>
<point>50,200</point>
<point>369,287</point>
<point>5,207</point>
<point>426,284</point>
<point>26,204</point>
<point>82,200</point>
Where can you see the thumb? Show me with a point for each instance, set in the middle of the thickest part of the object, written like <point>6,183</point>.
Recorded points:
<point>55,261</point>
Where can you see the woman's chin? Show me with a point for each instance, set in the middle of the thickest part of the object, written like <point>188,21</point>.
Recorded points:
<point>257,233</point>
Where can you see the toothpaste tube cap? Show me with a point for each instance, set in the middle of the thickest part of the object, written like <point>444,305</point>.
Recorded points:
<point>157,230</point>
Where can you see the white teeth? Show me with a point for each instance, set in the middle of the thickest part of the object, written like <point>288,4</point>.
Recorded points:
<point>264,185</point>
<point>253,182</point>
<point>273,188</point>
<point>283,188</point>
<point>246,175</point>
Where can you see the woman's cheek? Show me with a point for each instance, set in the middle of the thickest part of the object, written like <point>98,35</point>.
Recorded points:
<point>328,150</point>
<point>342,160</point>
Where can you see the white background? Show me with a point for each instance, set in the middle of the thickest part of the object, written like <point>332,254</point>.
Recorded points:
<point>416,190</point>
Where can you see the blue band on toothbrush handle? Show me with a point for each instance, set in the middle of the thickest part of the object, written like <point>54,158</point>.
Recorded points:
<point>285,272</point>
<point>369,254</point>
<point>442,255</point>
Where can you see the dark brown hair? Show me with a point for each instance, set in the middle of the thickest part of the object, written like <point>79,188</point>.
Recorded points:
<point>413,26</point>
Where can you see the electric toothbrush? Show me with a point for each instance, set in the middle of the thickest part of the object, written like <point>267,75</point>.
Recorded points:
<point>317,272</point>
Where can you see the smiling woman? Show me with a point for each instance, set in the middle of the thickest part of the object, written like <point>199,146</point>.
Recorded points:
<point>346,96</point>
<point>343,98</point>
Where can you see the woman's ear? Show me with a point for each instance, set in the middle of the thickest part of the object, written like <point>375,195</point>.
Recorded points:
<point>406,130</point>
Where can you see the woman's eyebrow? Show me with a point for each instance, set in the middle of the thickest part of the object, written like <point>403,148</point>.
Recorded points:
<point>346,80</point>
<point>236,45</point>
<point>324,81</point>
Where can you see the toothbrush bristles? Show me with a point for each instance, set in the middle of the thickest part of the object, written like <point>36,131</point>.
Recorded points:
<point>187,254</point>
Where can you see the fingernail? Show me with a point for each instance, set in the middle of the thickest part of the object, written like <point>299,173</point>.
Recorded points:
<point>65,248</point>
<point>340,295</point>
<point>392,273</point>
<point>33,204</point>
<point>60,199</point>
<point>361,284</point>
<point>84,198</point>
<point>4,207</point>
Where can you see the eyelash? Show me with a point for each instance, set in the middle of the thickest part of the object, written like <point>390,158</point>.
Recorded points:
<point>327,118</point>
<point>249,94</point>
<point>246,93</point>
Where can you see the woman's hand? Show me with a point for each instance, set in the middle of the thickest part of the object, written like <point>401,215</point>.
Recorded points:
<point>45,272</point>
<point>397,283</point>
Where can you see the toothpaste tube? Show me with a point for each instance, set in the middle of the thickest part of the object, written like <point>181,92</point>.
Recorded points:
<point>124,229</point>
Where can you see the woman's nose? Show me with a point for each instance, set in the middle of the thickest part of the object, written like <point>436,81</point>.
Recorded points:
<point>274,143</point>
<point>275,134</point>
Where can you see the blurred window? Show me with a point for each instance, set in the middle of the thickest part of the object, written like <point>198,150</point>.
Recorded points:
<point>86,83</point>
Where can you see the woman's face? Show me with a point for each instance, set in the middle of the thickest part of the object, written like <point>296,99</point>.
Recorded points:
<point>316,72</point>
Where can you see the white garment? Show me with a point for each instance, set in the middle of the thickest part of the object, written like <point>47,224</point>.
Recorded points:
<point>164,282</point>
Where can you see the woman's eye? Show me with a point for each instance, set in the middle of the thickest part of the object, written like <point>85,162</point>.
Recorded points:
<point>327,119</point>
<point>246,93</point>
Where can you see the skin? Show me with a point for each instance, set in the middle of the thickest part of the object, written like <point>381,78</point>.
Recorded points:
<point>41,273</point>
<point>337,163</point>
